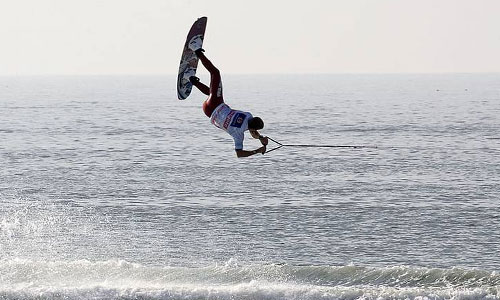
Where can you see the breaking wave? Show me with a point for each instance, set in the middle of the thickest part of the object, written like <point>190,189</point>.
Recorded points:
<point>117,279</point>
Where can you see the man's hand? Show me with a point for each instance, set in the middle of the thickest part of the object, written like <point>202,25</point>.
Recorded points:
<point>264,140</point>
<point>262,149</point>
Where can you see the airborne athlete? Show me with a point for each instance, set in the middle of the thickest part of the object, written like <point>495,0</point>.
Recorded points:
<point>234,122</point>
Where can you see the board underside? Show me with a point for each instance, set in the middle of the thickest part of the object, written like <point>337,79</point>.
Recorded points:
<point>189,60</point>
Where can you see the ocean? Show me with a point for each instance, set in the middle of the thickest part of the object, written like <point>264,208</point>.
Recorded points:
<point>111,188</point>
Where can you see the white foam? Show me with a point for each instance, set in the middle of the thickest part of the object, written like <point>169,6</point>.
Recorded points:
<point>118,279</point>
<point>250,290</point>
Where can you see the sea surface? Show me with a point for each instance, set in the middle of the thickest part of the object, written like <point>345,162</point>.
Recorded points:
<point>111,188</point>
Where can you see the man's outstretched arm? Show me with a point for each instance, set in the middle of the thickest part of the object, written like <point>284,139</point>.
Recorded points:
<point>256,135</point>
<point>245,153</point>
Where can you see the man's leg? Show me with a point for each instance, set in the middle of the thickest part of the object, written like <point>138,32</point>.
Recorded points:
<point>202,87</point>
<point>215,89</point>
<point>215,78</point>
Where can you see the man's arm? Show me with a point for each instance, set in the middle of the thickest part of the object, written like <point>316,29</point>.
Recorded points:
<point>245,153</point>
<point>256,135</point>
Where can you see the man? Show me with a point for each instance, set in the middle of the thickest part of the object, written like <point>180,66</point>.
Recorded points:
<point>232,121</point>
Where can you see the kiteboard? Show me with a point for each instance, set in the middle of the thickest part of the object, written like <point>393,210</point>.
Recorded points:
<point>189,60</point>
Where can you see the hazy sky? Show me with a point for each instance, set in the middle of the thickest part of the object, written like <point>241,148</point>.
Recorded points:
<point>250,36</point>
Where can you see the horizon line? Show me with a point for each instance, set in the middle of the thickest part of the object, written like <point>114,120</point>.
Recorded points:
<point>245,74</point>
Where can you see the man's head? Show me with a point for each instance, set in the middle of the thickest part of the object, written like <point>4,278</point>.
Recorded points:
<point>255,123</point>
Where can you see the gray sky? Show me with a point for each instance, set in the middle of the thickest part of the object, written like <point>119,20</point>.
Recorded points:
<point>257,36</point>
